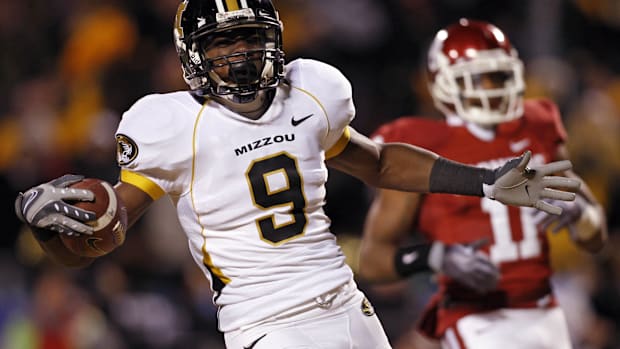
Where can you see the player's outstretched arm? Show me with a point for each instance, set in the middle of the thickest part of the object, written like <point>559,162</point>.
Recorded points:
<point>47,210</point>
<point>408,168</point>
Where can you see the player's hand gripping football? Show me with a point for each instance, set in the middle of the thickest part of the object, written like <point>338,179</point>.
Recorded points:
<point>44,207</point>
<point>466,264</point>
<point>517,184</point>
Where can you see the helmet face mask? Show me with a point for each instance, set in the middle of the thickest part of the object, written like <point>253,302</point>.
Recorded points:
<point>231,54</point>
<point>476,74</point>
<point>240,72</point>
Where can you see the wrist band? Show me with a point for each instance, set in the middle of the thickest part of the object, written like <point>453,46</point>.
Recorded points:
<point>455,178</point>
<point>412,259</point>
<point>588,224</point>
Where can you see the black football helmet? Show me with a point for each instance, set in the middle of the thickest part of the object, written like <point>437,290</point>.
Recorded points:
<point>199,22</point>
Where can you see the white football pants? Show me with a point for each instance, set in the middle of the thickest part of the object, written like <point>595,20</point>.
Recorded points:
<point>339,319</point>
<point>536,328</point>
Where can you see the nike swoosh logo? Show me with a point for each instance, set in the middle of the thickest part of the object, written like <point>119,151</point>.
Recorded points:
<point>299,121</point>
<point>256,341</point>
<point>518,146</point>
<point>410,257</point>
<point>29,201</point>
<point>92,243</point>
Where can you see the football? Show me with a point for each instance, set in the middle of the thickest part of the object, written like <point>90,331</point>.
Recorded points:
<point>109,227</point>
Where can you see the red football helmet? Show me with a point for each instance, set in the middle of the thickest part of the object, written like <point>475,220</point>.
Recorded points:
<point>475,73</point>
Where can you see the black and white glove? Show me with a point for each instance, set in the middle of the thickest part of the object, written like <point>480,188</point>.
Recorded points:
<point>516,184</point>
<point>465,264</point>
<point>44,208</point>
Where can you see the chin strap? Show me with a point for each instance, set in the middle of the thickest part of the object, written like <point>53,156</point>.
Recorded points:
<point>244,98</point>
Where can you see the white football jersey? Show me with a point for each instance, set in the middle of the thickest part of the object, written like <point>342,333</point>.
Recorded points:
<point>249,193</point>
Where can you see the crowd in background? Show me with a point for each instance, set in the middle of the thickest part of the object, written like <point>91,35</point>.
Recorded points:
<point>70,68</point>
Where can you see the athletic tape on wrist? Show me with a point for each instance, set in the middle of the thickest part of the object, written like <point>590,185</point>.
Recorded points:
<point>455,178</point>
<point>588,224</point>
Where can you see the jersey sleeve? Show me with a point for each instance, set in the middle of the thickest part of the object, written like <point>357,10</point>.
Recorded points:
<point>545,116</point>
<point>146,131</point>
<point>550,115</point>
<point>333,91</point>
<point>419,131</point>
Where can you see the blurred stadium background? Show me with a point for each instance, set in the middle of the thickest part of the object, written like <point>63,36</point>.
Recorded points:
<point>70,68</point>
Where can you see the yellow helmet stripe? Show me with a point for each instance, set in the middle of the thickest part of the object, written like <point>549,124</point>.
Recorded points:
<point>232,5</point>
<point>178,17</point>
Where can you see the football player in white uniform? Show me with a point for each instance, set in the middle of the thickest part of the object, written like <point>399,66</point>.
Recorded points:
<point>243,157</point>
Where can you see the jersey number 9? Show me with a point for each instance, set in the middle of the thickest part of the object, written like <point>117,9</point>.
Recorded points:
<point>276,185</point>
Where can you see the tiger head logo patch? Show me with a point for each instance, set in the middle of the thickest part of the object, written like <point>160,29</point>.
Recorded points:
<point>367,308</point>
<point>126,150</point>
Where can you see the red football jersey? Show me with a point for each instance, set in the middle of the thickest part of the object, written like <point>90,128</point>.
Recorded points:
<point>515,244</point>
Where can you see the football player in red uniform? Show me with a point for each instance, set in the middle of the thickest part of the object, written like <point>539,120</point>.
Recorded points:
<point>476,80</point>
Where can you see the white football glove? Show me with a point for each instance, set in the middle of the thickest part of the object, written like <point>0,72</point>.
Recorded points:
<point>579,217</point>
<point>519,185</point>
<point>44,207</point>
<point>571,212</point>
<point>466,264</point>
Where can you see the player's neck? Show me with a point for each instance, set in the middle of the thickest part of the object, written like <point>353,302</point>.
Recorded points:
<point>482,132</point>
<point>253,109</point>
